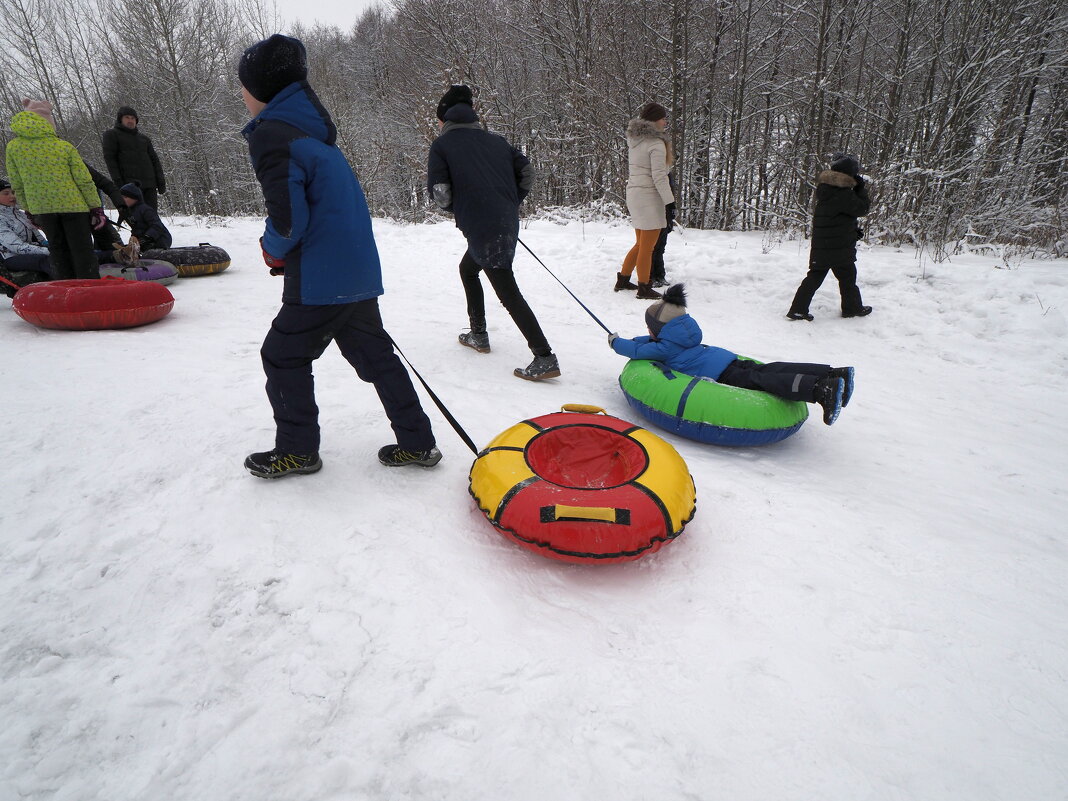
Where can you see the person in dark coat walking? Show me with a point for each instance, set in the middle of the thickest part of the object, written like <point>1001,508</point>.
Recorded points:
<point>841,197</point>
<point>130,157</point>
<point>482,179</point>
<point>318,237</point>
<point>144,220</point>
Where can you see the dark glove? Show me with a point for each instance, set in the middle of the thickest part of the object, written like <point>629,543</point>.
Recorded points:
<point>161,190</point>
<point>278,266</point>
<point>612,338</point>
<point>97,218</point>
<point>860,184</point>
<point>670,209</point>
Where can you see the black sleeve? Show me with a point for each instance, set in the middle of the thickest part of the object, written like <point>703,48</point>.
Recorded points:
<point>110,145</point>
<point>106,185</point>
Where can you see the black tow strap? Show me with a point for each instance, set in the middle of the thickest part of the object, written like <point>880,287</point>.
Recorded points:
<point>459,429</point>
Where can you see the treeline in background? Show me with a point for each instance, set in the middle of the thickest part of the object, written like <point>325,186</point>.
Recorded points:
<point>957,108</point>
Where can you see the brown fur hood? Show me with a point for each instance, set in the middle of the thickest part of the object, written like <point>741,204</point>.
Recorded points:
<point>638,129</point>
<point>839,179</point>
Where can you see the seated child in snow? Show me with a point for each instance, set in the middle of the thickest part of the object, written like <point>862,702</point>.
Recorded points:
<point>144,220</point>
<point>675,339</point>
<point>23,251</point>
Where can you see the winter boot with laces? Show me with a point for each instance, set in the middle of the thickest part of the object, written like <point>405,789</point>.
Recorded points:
<point>476,338</point>
<point>276,464</point>
<point>846,374</point>
<point>541,368</point>
<point>623,283</point>
<point>828,394</point>
<point>646,292</point>
<point>396,456</point>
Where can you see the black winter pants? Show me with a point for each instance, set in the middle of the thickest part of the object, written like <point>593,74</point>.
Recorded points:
<point>28,262</point>
<point>847,285</point>
<point>788,380</point>
<point>658,272</point>
<point>299,335</point>
<point>70,244</point>
<point>503,282</point>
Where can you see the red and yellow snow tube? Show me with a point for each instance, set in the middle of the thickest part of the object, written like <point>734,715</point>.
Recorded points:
<point>582,486</point>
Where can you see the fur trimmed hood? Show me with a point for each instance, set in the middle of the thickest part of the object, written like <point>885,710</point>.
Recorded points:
<point>839,179</point>
<point>638,129</point>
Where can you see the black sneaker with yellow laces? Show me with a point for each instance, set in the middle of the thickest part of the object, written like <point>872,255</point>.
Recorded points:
<point>396,456</point>
<point>276,463</point>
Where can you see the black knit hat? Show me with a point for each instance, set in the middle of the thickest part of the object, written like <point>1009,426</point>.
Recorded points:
<point>124,111</point>
<point>847,163</point>
<point>4,185</point>
<point>664,311</point>
<point>133,189</point>
<point>269,66</point>
<point>458,93</point>
<point>653,112</point>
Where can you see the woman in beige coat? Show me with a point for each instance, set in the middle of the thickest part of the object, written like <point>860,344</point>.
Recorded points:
<point>648,193</point>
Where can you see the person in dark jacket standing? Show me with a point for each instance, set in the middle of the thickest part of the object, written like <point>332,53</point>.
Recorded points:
<point>318,236</point>
<point>841,197</point>
<point>144,220</point>
<point>482,179</point>
<point>130,157</point>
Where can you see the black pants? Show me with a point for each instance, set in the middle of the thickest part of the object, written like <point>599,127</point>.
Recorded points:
<point>70,244</point>
<point>299,335</point>
<point>658,273</point>
<point>503,283</point>
<point>787,380</point>
<point>25,262</point>
<point>847,285</point>
<point>104,238</point>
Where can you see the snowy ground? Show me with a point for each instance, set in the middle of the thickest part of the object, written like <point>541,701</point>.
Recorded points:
<point>870,611</point>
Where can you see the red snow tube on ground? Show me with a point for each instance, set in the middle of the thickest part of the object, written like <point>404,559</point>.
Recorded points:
<point>92,303</point>
<point>583,487</point>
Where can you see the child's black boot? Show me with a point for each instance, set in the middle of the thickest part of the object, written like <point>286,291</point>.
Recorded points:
<point>828,394</point>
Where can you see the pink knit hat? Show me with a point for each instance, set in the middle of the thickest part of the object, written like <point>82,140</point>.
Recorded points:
<point>40,107</point>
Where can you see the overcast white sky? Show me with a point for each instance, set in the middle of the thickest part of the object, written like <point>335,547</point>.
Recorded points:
<point>332,12</point>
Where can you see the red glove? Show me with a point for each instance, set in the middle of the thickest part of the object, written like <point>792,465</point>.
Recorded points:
<point>278,266</point>
<point>97,218</point>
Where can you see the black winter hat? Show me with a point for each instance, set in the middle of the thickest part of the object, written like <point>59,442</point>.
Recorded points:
<point>4,185</point>
<point>123,111</point>
<point>270,65</point>
<point>133,189</point>
<point>653,112</point>
<point>458,93</point>
<point>847,163</point>
<point>664,311</point>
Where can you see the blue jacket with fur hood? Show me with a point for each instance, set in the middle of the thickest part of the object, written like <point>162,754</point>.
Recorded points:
<point>679,347</point>
<point>317,217</point>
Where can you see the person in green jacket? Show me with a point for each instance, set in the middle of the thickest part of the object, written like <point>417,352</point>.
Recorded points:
<point>52,183</point>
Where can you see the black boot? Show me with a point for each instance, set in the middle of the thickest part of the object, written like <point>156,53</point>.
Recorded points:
<point>646,292</point>
<point>828,394</point>
<point>846,374</point>
<point>863,311</point>
<point>541,368</point>
<point>799,315</point>
<point>623,282</point>
<point>475,339</point>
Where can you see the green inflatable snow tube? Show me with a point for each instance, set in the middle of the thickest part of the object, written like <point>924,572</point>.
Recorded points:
<point>706,411</point>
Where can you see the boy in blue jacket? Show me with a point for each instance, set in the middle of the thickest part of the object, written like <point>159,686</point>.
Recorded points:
<point>675,339</point>
<point>318,236</point>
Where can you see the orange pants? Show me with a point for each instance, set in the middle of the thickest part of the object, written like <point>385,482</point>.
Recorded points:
<point>641,254</point>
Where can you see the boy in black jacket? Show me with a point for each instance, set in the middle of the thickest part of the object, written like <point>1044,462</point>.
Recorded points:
<point>841,197</point>
<point>144,220</point>
<point>482,179</point>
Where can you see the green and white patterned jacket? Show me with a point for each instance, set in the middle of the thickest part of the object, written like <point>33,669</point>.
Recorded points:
<point>46,172</point>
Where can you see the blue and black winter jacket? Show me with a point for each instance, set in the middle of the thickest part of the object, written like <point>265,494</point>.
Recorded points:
<point>679,347</point>
<point>317,217</point>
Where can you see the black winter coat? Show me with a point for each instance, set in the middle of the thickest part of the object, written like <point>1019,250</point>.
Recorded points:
<point>131,157</point>
<point>146,225</point>
<point>840,200</point>
<point>481,179</point>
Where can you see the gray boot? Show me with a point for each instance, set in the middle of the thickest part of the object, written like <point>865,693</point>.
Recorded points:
<point>477,337</point>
